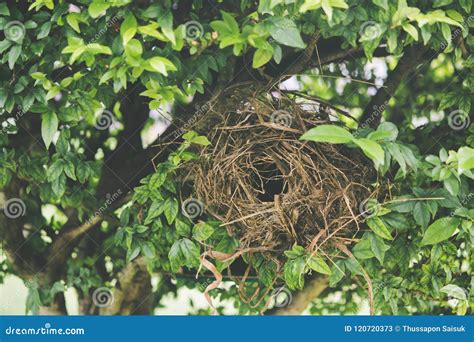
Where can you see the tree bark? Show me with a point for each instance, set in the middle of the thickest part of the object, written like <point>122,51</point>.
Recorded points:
<point>301,300</point>
<point>412,57</point>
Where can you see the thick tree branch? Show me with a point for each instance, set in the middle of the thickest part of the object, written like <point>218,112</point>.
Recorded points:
<point>412,57</point>
<point>132,295</point>
<point>24,261</point>
<point>303,298</point>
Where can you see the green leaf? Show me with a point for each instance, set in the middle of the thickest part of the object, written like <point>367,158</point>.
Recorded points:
<point>440,230</point>
<point>381,3</point>
<point>378,247</point>
<point>171,208</point>
<point>82,172</point>
<point>267,273</point>
<point>372,150</point>
<point>49,127</point>
<point>182,228</point>
<point>316,263</point>
<point>156,209</point>
<point>230,22</point>
<point>4,10</point>
<point>97,7</point>
<point>294,273</point>
<point>411,30</point>
<point>421,214</point>
<point>261,57</point>
<point>199,140</point>
<point>128,29</point>
<point>184,252</point>
<point>386,131</point>
<point>55,170</point>
<point>337,273</point>
<point>148,250</point>
<point>59,185</point>
<point>202,231</point>
<point>295,252</point>
<point>161,65</point>
<point>328,133</point>
<point>454,291</point>
<point>285,32</point>
<point>13,55</point>
<point>379,227</point>
<point>69,170</point>
<point>133,253</point>
<point>44,30</point>
<point>465,158</point>
<point>363,250</point>
<point>71,19</point>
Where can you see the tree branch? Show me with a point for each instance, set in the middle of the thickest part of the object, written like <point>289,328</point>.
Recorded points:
<point>312,289</point>
<point>132,295</point>
<point>412,57</point>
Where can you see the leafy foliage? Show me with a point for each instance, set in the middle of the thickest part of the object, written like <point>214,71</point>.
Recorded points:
<point>74,81</point>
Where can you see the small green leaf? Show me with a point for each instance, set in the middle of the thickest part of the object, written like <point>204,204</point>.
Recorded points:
<point>454,291</point>
<point>156,209</point>
<point>148,250</point>
<point>378,227</point>
<point>97,7</point>
<point>184,252</point>
<point>378,247</point>
<point>317,264</point>
<point>171,208</point>
<point>261,57</point>
<point>128,29</point>
<point>465,158</point>
<point>372,150</point>
<point>285,32</point>
<point>440,230</point>
<point>49,127</point>
<point>202,231</point>
<point>328,133</point>
<point>411,30</point>
<point>363,250</point>
<point>182,228</point>
<point>55,170</point>
<point>386,131</point>
<point>13,55</point>
<point>294,273</point>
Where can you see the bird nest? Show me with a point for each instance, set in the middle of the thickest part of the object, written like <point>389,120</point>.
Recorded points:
<point>270,189</point>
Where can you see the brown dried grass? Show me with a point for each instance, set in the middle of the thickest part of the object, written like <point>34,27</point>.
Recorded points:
<point>270,189</point>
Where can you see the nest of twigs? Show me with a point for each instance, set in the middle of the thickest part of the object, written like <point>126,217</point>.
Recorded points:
<point>269,188</point>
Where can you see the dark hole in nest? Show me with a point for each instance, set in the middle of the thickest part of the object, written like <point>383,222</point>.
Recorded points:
<point>268,182</point>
